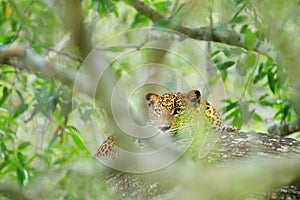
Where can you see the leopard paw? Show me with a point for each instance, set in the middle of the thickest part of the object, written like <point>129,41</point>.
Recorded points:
<point>228,128</point>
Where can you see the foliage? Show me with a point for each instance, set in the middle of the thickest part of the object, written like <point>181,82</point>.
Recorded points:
<point>36,136</point>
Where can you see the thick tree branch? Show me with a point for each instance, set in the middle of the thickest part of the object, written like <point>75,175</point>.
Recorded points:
<point>142,8</point>
<point>36,63</point>
<point>220,34</point>
<point>71,15</point>
<point>285,129</point>
<point>12,192</point>
<point>256,165</point>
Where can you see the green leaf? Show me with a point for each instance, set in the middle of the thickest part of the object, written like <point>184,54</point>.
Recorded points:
<point>3,164</point>
<point>238,19</point>
<point>260,74</point>
<point>21,108</point>
<point>251,60</point>
<point>215,53</point>
<point>225,65</point>
<point>5,93</point>
<point>105,7</point>
<point>20,175</point>
<point>238,122</point>
<point>116,48</point>
<point>226,52</point>
<point>259,77</point>
<point>237,2</point>
<point>224,75</point>
<point>20,95</point>
<point>256,117</point>
<point>23,145</point>
<point>233,114</point>
<point>61,161</point>
<point>230,107</point>
<point>250,37</point>
<point>3,147</point>
<point>140,21</point>
<point>263,97</point>
<point>21,158</point>
<point>162,7</point>
<point>5,40</point>
<point>76,139</point>
<point>271,81</point>
<point>286,110</point>
<point>266,103</point>
<point>244,28</point>
<point>277,115</point>
<point>228,101</point>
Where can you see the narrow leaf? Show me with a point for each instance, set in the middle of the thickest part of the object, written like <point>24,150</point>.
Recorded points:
<point>225,65</point>
<point>23,145</point>
<point>77,141</point>
<point>21,108</point>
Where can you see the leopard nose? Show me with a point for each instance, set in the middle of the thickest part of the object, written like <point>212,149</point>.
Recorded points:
<point>164,128</point>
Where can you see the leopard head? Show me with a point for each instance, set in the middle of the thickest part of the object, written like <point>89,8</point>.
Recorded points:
<point>164,110</point>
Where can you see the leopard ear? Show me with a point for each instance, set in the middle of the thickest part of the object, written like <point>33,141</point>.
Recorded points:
<point>150,98</point>
<point>194,96</point>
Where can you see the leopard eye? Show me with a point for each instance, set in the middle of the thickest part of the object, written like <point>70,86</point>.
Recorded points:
<point>157,111</point>
<point>177,111</point>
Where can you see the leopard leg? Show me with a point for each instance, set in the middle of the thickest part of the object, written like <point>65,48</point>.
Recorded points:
<point>228,128</point>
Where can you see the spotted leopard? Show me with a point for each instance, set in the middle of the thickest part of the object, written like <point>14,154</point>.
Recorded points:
<point>165,113</point>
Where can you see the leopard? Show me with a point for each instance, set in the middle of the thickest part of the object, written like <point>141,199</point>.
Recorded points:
<point>165,113</point>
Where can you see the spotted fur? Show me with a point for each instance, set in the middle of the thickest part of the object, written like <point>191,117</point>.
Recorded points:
<point>165,111</point>
<point>108,149</point>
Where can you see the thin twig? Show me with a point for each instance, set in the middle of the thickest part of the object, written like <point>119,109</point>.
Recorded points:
<point>124,46</point>
<point>22,21</point>
<point>63,54</point>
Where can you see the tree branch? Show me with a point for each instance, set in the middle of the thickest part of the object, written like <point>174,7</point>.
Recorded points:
<point>142,8</point>
<point>285,129</point>
<point>36,63</point>
<point>71,15</point>
<point>12,192</point>
<point>222,34</point>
